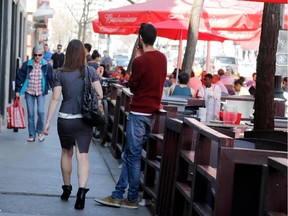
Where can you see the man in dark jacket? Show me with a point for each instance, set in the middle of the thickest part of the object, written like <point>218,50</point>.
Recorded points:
<point>58,58</point>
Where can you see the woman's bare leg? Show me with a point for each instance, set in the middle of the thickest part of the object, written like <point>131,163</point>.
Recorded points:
<point>83,168</point>
<point>66,165</point>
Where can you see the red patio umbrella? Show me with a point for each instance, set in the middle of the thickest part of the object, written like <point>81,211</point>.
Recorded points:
<point>174,29</point>
<point>178,30</point>
<point>171,29</point>
<point>216,15</point>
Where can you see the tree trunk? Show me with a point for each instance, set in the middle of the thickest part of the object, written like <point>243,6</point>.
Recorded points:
<point>79,30</point>
<point>266,67</point>
<point>84,20</point>
<point>190,50</point>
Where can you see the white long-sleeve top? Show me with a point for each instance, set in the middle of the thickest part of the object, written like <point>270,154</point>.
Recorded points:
<point>208,94</point>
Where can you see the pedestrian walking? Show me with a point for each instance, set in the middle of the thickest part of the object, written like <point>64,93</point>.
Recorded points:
<point>47,54</point>
<point>34,79</point>
<point>106,60</point>
<point>146,82</point>
<point>95,59</point>
<point>72,129</point>
<point>88,48</point>
<point>58,58</point>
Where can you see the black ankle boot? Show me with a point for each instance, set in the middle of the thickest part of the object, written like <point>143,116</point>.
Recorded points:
<point>66,192</point>
<point>80,201</point>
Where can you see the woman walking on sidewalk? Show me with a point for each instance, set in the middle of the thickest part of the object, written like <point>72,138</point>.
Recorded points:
<point>72,130</point>
<point>34,80</point>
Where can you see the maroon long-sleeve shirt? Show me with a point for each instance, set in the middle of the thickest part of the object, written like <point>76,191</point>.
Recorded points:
<point>146,81</point>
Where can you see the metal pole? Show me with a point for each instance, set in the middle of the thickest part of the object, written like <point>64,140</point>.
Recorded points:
<point>208,57</point>
<point>179,56</point>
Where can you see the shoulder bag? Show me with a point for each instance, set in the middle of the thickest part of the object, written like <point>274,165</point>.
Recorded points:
<point>92,114</point>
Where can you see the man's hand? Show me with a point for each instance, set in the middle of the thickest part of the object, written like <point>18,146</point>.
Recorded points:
<point>139,52</point>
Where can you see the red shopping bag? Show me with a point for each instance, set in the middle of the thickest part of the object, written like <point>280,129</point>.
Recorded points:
<point>15,115</point>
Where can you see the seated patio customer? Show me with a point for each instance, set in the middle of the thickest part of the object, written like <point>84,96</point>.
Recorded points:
<point>239,89</point>
<point>194,83</point>
<point>182,88</point>
<point>216,80</point>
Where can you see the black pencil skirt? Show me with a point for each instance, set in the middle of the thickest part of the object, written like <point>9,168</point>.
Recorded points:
<point>71,131</point>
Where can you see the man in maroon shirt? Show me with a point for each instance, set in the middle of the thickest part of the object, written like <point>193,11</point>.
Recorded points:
<point>146,82</point>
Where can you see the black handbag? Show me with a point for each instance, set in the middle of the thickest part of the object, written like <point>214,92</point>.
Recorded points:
<point>92,114</point>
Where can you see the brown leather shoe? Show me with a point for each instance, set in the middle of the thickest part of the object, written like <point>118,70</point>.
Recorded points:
<point>109,201</point>
<point>127,204</point>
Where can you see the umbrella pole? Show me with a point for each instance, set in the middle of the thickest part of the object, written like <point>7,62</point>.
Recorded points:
<point>179,61</point>
<point>208,58</point>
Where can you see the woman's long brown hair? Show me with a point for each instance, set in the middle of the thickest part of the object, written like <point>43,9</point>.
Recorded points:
<point>75,57</point>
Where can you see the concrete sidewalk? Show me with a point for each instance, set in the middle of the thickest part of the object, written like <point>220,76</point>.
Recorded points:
<point>30,177</point>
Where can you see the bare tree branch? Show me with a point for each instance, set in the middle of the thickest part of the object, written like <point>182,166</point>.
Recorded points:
<point>72,13</point>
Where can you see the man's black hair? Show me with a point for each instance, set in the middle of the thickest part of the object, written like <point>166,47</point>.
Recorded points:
<point>95,54</point>
<point>209,76</point>
<point>242,79</point>
<point>148,33</point>
<point>238,81</point>
<point>88,46</point>
<point>183,78</point>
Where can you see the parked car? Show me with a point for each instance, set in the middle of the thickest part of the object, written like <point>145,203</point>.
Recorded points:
<point>120,60</point>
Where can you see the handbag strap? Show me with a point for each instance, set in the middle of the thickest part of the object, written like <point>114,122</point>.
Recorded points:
<point>16,102</point>
<point>87,77</point>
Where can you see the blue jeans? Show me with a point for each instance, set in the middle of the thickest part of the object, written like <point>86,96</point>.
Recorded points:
<point>30,102</point>
<point>138,130</point>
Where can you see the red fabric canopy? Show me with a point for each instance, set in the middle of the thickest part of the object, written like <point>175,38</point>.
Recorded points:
<point>112,30</point>
<point>172,29</point>
<point>178,30</point>
<point>241,35</point>
<point>217,14</point>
